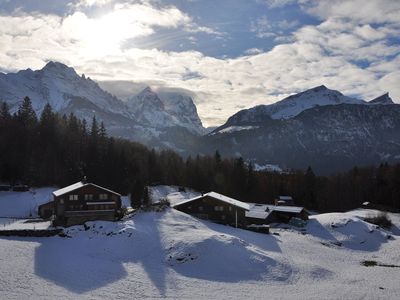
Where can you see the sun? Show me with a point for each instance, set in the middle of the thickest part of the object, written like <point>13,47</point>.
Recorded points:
<point>105,34</point>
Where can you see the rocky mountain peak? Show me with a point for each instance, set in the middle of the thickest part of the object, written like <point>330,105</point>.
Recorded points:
<point>383,99</point>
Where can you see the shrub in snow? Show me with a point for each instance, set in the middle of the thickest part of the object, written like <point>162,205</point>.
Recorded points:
<point>380,219</point>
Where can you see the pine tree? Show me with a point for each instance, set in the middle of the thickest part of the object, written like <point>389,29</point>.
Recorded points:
<point>146,197</point>
<point>26,115</point>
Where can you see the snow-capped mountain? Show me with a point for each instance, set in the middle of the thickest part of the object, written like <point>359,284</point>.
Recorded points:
<point>58,85</point>
<point>293,105</point>
<point>146,117</point>
<point>167,109</point>
<point>329,131</point>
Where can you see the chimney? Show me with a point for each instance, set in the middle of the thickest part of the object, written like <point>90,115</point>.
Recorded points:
<point>84,180</point>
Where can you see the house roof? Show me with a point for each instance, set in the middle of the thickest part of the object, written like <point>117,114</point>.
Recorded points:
<point>285,198</point>
<point>79,185</point>
<point>217,196</point>
<point>291,209</point>
<point>262,211</point>
<point>256,214</point>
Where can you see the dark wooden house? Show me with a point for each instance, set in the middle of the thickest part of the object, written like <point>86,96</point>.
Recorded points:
<point>215,207</point>
<point>82,201</point>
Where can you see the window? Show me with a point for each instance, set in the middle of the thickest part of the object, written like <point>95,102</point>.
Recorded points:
<point>230,208</point>
<point>88,197</point>
<point>200,208</point>
<point>73,197</point>
<point>61,201</point>
<point>103,196</point>
<point>218,208</point>
<point>223,217</point>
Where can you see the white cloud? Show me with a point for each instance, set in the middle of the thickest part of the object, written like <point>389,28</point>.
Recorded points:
<point>88,3</point>
<point>264,28</point>
<point>371,11</point>
<point>252,51</point>
<point>278,3</point>
<point>314,55</point>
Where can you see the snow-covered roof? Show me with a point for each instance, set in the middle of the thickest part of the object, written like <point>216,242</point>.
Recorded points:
<point>291,209</point>
<point>217,197</point>
<point>257,214</point>
<point>79,185</point>
<point>261,211</point>
<point>95,203</point>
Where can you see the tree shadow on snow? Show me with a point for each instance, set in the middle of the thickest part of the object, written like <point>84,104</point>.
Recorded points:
<point>76,265</point>
<point>87,261</point>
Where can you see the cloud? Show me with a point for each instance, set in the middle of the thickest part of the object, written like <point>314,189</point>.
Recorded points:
<point>278,3</point>
<point>89,3</point>
<point>344,53</point>
<point>264,28</point>
<point>252,51</point>
<point>372,11</point>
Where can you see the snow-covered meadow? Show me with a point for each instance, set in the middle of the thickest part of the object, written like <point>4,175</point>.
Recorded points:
<point>172,255</point>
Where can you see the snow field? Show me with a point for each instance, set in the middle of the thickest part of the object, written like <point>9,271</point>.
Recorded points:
<point>172,255</point>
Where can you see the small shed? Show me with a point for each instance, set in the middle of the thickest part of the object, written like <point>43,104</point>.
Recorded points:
<point>46,210</point>
<point>5,187</point>
<point>215,207</point>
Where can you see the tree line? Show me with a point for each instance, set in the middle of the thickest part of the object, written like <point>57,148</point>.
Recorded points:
<point>57,150</point>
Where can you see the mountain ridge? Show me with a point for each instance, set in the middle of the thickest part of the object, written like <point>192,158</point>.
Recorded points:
<point>66,91</point>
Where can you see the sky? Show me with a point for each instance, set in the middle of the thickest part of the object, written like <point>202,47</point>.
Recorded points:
<point>232,54</point>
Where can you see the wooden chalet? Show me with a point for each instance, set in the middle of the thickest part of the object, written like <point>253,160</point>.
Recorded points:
<point>215,207</point>
<point>82,201</point>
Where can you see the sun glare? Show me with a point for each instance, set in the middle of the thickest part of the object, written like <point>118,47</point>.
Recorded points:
<point>105,34</point>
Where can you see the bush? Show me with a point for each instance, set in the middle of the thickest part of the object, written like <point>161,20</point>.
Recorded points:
<point>380,219</point>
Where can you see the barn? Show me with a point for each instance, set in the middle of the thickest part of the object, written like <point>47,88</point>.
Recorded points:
<point>83,201</point>
<point>215,207</point>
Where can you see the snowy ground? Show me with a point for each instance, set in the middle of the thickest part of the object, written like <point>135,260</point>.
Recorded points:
<point>24,204</point>
<point>173,255</point>
<point>171,193</point>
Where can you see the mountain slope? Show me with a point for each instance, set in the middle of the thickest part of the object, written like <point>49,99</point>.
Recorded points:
<point>384,99</point>
<point>165,110</point>
<point>56,84</point>
<point>329,138</point>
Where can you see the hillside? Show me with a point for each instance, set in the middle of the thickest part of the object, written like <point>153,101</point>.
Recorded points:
<point>328,138</point>
<point>173,255</point>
